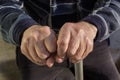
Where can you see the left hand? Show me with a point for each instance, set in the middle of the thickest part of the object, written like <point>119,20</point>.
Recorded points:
<point>75,40</point>
<point>38,44</point>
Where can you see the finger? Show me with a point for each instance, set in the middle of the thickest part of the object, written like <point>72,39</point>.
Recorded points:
<point>73,45</point>
<point>23,47</point>
<point>89,47</point>
<point>41,50</point>
<point>25,51</point>
<point>62,43</point>
<point>82,47</point>
<point>50,61</point>
<point>32,51</point>
<point>50,42</point>
<point>59,59</point>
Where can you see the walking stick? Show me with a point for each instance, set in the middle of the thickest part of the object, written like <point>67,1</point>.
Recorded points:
<point>78,66</point>
<point>79,74</point>
<point>79,71</point>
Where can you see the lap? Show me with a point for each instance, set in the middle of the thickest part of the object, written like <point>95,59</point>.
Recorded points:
<point>97,66</point>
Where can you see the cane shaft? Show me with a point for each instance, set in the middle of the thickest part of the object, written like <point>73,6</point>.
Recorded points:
<point>79,71</point>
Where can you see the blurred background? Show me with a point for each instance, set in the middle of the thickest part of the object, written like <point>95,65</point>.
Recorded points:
<point>8,67</point>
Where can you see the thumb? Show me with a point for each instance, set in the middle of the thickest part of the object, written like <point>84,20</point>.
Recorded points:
<point>51,42</point>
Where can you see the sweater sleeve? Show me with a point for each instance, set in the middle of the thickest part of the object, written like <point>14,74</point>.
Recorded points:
<point>106,19</point>
<point>13,20</point>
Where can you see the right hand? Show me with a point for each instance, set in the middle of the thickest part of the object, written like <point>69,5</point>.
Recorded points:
<point>38,43</point>
<point>76,41</point>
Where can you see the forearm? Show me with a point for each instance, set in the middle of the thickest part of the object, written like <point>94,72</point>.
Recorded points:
<point>13,21</point>
<point>106,19</point>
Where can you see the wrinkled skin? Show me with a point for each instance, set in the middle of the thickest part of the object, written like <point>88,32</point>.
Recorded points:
<point>75,41</point>
<point>38,44</point>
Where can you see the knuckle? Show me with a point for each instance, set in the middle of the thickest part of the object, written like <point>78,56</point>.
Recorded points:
<point>62,43</point>
<point>82,32</point>
<point>35,33</point>
<point>44,30</point>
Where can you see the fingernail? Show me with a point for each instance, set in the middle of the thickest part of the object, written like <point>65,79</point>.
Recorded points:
<point>50,65</point>
<point>60,60</point>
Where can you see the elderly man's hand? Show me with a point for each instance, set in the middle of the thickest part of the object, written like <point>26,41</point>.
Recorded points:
<point>38,43</point>
<point>75,41</point>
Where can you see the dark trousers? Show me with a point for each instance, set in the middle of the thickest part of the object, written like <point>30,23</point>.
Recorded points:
<point>97,66</point>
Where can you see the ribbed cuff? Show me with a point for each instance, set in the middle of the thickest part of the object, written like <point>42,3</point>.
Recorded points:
<point>20,27</point>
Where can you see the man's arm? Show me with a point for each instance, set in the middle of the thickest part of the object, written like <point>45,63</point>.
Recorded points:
<point>37,43</point>
<point>13,20</point>
<point>106,19</point>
